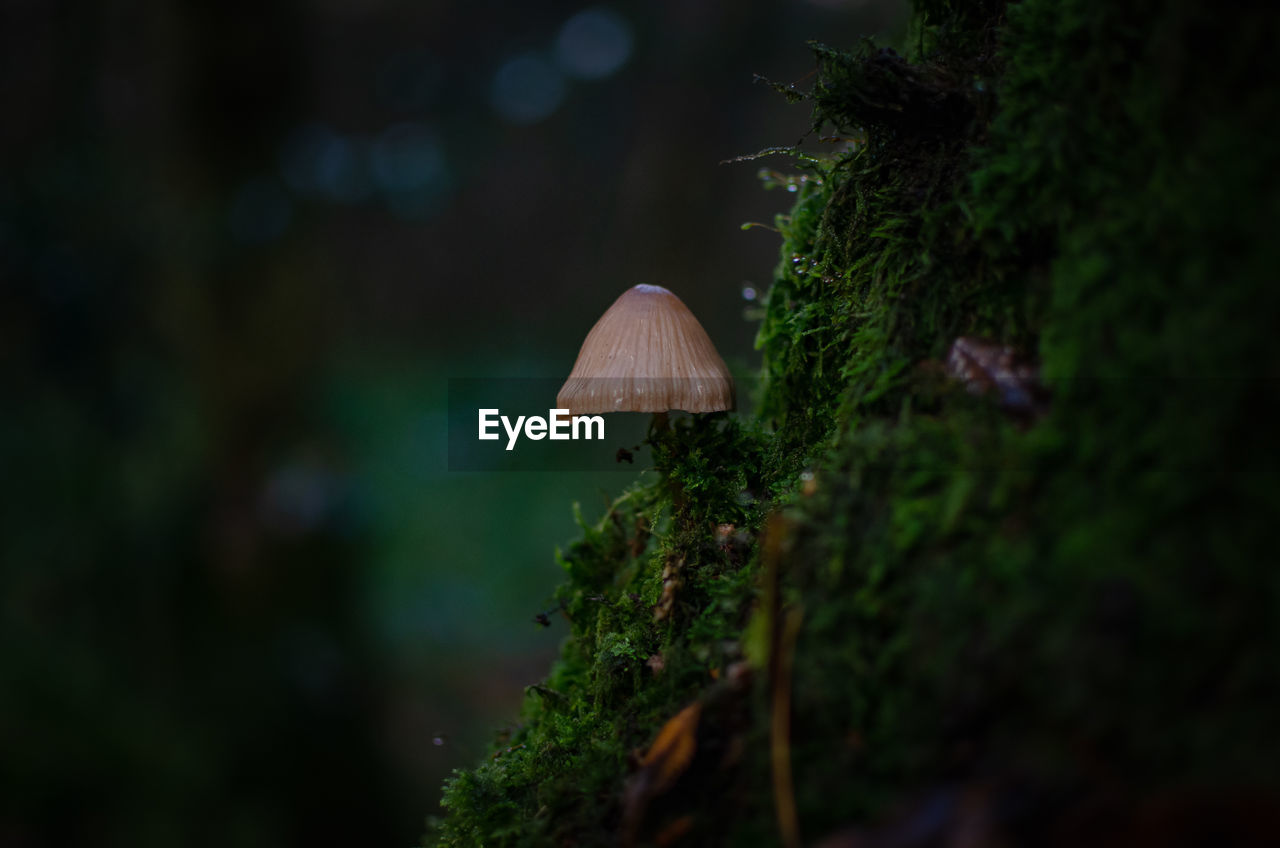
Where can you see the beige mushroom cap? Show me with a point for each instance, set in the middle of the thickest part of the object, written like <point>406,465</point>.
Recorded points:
<point>647,353</point>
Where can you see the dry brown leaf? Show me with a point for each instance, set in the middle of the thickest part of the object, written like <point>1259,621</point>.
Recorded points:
<point>666,760</point>
<point>673,832</point>
<point>673,750</point>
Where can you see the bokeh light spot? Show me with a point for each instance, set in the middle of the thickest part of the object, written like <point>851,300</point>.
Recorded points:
<point>318,161</point>
<point>407,156</point>
<point>302,498</point>
<point>593,44</point>
<point>526,89</point>
<point>410,168</point>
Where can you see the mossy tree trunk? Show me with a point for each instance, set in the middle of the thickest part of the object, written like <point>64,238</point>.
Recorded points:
<point>1023,585</point>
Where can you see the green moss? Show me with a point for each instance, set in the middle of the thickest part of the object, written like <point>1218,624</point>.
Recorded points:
<point>983,596</point>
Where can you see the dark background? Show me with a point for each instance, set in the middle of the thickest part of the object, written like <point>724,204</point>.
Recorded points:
<point>243,247</point>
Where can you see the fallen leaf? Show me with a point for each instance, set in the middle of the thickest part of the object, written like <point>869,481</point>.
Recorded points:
<point>673,750</point>
<point>674,831</point>
<point>666,760</point>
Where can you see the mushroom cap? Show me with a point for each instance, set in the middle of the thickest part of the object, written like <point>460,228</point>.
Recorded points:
<point>647,353</point>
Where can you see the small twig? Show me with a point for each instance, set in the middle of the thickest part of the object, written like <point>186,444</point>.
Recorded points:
<point>548,694</point>
<point>783,633</point>
<point>770,151</point>
<point>784,797</point>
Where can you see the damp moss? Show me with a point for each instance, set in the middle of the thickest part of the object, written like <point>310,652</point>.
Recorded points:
<point>1066,603</point>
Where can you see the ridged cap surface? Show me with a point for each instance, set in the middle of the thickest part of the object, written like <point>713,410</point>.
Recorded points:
<point>647,353</point>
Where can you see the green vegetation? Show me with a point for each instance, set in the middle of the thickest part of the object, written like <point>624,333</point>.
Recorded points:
<point>1061,603</point>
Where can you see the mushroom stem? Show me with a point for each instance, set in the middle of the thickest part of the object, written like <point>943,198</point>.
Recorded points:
<point>671,446</point>
<point>659,424</point>
<point>663,440</point>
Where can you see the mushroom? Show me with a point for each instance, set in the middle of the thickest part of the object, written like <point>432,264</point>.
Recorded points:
<point>647,353</point>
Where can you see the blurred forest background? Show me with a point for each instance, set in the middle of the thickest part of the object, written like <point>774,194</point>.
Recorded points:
<point>242,248</point>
